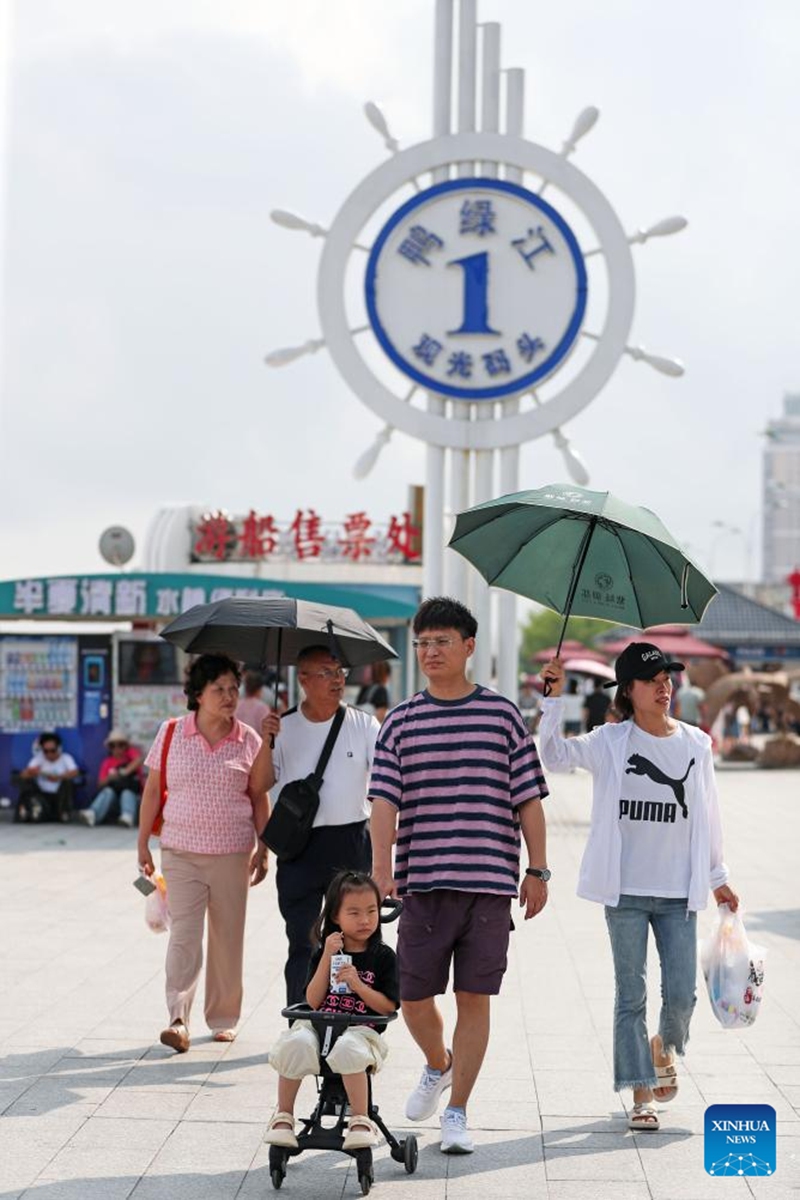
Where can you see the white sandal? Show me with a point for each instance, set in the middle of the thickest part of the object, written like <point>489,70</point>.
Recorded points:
<point>644,1116</point>
<point>667,1075</point>
<point>277,1132</point>
<point>360,1134</point>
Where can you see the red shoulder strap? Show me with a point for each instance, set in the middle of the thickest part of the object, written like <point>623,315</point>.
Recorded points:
<point>164,752</point>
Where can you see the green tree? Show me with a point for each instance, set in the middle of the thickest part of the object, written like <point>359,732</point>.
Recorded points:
<point>543,629</point>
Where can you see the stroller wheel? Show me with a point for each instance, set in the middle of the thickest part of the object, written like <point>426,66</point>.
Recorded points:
<point>410,1153</point>
<point>366,1176</point>
<point>277,1165</point>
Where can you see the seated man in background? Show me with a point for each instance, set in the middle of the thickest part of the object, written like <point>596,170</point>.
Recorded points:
<point>120,783</point>
<point>47,782</point>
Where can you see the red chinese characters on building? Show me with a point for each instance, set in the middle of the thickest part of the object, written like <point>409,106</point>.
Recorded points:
<point>403,537</point>
<point>216,537</point>
<point>255,537</point>
<point>307,534</point>
<point>356,544</point>
<point>259,536</point>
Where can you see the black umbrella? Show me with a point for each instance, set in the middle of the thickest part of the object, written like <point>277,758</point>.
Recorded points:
<point>273,630</point>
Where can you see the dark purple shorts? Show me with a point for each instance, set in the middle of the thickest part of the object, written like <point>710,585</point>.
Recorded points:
<point>470,928</point>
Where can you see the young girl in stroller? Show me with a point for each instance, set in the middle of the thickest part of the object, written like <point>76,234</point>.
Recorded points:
<point>349,924</point>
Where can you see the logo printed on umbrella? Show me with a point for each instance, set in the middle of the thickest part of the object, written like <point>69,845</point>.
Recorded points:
<point>572,497</point>
<point>604,581</point>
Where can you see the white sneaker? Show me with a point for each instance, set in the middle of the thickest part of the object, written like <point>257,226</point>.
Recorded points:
<point>455,1136</point>
<point>125,819</point>
<point>87,816</point>
<point>424,1100</point>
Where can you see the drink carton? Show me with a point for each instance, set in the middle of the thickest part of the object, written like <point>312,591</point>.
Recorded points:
<point>337,962</point>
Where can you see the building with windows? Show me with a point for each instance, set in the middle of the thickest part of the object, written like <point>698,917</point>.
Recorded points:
<point>781,494</point>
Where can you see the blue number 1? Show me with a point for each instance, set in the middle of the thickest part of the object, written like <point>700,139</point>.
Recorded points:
<point>476,289</point>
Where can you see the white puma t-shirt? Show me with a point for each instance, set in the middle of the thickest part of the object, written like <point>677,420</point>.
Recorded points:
<point>659,787</point>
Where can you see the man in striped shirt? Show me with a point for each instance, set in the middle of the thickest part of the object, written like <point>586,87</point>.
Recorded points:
<point>456,780</point>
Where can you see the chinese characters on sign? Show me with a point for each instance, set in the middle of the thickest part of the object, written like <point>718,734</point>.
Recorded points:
<point>89,597</point>
<point>124,597</point>
<point>476,288</point>
<point>217,537</point>
<point>478,217</point>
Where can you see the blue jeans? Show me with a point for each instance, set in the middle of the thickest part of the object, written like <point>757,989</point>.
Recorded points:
<point>675,930</point>
<point>104,801</point>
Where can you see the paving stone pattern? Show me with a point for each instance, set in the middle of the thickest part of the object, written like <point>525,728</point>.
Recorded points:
<point>91,1105</point>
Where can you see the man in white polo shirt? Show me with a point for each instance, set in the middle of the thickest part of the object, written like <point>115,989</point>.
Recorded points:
<point>47,782</point>
<point>340,837</point>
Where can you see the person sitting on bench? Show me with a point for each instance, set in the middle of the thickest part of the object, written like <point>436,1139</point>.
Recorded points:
<point>47,782</point>
<point>119,781</point>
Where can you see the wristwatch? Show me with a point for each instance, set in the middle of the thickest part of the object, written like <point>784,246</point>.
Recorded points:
<point>543,873</point>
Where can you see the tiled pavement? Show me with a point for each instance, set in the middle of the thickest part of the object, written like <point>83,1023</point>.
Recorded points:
<point>92,1105</point>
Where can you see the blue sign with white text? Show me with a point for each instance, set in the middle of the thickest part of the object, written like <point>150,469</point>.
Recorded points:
<point>740,1139</point>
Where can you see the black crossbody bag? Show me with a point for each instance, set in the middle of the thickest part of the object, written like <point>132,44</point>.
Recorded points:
<point>289,828</point>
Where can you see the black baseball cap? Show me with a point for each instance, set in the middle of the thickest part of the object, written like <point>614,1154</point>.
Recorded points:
<point>641,660</point>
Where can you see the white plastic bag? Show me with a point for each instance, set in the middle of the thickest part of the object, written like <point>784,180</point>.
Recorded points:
<point>156,909</point>
<point>734,971</point>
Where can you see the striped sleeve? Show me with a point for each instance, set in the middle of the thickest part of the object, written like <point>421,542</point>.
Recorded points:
<point>385,781</point>
<point>527,781</point>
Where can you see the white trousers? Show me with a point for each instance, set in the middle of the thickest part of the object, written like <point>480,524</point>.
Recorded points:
<point>297,1053</point>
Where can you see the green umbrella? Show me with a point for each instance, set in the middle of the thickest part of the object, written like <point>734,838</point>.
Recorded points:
<point>584,553</point>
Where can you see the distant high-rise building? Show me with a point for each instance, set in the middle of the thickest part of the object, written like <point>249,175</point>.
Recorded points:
<point>781,495</point>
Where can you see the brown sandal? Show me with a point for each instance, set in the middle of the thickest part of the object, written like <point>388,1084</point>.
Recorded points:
<point>176,1036</point>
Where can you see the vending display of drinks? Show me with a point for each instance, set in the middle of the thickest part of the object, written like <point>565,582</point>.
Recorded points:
<point>38,684</point>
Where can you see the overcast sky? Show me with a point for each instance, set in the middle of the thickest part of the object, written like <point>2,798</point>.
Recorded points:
<point>146,142</point>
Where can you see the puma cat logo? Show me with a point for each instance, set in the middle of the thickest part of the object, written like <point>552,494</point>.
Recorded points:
<point>642,766</point>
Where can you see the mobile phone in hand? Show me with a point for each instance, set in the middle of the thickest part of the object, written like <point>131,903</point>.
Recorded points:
<point>144,885</point>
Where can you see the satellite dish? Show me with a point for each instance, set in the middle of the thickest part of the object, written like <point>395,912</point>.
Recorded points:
<point>117,545</point>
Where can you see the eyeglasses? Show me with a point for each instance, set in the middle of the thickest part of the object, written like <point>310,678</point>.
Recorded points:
<point>327,673</point>
<point>111,745</point>
<point>437,643</point>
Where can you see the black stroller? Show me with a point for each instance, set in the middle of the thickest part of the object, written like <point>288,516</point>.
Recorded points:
<point>332,1099</point>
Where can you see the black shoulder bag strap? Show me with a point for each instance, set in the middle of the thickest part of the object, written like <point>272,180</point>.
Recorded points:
<point>330,741</point>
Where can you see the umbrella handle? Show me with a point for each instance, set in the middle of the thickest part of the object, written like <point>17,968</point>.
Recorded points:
<point>573,587</point>
<point>277,684</point>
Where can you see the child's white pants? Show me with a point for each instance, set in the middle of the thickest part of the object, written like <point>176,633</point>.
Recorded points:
<point>297,1051</point>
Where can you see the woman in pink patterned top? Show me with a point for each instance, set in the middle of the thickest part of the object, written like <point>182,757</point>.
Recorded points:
<point>210,853</point>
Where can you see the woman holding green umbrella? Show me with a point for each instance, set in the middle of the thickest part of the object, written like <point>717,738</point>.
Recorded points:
<point>654,851</point>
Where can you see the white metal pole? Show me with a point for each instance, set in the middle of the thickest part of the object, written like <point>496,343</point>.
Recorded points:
<point>433,534</point>
<point>484,459</point>
<point>456,568</point>
<point>508,637</point>
<point>481,596</point>
<point>490,98</point>
<point>442,75</point>
<point>433,537</point>
<point>467,57</point>
<point>456,577</point>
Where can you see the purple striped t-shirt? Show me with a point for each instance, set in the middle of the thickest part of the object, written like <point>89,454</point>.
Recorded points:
<point>457,771</point>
